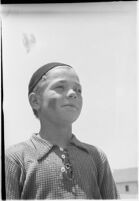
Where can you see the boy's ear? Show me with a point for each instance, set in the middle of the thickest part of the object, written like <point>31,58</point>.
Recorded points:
<point>34,101</point>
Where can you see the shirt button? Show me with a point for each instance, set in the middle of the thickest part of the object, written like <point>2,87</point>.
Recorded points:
<point>61,149</point>
<point>62,169</point>
<point>63,156</point>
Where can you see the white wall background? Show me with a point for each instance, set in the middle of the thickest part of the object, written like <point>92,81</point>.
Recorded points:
<point>99,41</point>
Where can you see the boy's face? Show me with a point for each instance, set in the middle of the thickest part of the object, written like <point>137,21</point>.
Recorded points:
<point>60,101</point>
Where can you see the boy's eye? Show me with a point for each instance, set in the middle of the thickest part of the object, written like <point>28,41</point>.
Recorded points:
<point>61,87</point>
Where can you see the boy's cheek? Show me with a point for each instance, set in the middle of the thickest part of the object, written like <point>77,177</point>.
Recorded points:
<point>81,103</point>
<point>52,103</point>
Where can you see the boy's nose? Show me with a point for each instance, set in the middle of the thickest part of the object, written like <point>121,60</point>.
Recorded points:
<point>72,94</point>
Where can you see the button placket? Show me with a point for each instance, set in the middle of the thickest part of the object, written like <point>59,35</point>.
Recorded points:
<point>67,169</point>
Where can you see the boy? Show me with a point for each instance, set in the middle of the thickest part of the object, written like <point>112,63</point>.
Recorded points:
<point>54,164</point>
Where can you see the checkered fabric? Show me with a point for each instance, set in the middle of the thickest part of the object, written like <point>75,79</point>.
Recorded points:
<point>36,169</point>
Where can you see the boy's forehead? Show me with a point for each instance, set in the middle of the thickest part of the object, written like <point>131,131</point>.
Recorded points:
<point>63,81</point>
<point>62,74</point>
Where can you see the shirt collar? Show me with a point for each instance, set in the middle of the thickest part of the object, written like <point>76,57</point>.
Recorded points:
<point>78,143</point>
<point>43,146</point>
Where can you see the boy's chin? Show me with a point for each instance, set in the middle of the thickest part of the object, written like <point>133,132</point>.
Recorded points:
<point>70,119</point>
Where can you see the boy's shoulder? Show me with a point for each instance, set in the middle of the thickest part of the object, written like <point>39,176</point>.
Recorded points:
<point>19,147</point>
<point>98,156</point>
<point>18,151</point>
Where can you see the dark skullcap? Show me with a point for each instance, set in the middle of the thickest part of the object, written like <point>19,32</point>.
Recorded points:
<point>42,71</point>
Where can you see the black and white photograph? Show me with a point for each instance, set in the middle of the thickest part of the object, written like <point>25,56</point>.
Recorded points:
<point>70,100</point>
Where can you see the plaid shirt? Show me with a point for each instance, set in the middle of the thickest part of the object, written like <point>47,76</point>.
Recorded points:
<point>36,169</point>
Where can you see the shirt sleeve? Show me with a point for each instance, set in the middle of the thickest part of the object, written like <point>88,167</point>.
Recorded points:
<point>12,179</point>
<point>107,184</point>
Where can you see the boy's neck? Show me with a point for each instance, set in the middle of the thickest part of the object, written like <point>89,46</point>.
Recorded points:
<point>55,134</point>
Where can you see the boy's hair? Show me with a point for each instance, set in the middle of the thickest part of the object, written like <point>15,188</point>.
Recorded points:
<point>37,76</point>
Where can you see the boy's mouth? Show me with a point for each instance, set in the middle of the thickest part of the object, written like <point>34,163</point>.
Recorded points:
<point>70,105</point>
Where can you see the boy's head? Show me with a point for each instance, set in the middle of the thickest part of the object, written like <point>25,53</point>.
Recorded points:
<point>55,93</point>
